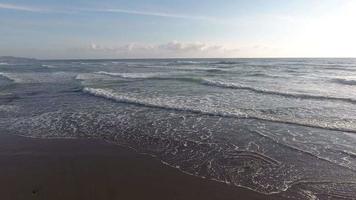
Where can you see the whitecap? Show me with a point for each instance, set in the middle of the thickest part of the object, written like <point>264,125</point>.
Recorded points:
<point>345,81</point>
<point>39,77</point>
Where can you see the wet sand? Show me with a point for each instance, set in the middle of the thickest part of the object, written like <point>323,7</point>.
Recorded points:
<point>92,169</point>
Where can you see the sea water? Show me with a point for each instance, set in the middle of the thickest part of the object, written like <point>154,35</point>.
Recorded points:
<point>269,125</point>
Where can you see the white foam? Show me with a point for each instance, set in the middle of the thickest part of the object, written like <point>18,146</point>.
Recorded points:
<point>346,81</point>
<point>87,76</point>
<point>228,85</point>
<point>129,75</point>
<point>8,108</point>
<point>206,106</point>
<point>224,84</point>
<point>161,102</point>
<point>49,66</point>
<point>38,77</point>
<point>309,195</point>
<point>143,75</point>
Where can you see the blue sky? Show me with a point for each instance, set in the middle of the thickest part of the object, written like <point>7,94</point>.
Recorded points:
<point>177,28</point>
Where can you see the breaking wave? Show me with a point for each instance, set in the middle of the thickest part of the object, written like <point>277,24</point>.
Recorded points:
<point>168,104</point>
<point>38,77</point>
<point>229,85</point>
<point>48,66</point>
<point>344,81</point>
<point>139,75</point>
<point>155,103</point>
<point>223,84</point>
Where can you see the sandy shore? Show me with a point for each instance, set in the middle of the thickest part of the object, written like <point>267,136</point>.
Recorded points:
<point>92,169</point>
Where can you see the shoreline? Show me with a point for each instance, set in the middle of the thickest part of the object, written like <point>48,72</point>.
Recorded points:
<point>33,168</point>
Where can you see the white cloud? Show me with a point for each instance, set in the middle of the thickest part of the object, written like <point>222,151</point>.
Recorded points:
<point>178,46</point>
<point>149,13</point>
<point>25,8</point>
<point>170,49</point>
<point>21,8</point>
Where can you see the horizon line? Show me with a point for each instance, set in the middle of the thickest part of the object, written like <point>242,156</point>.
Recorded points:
<point>181,58</point>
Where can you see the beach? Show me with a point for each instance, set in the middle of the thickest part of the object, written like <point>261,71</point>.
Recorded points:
<point>93,169</point>
<point>178,129</point>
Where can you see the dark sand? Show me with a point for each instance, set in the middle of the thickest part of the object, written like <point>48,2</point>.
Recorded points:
<point>84,169</point>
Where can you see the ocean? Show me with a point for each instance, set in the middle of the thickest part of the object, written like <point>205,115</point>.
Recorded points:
<point>269,125</point>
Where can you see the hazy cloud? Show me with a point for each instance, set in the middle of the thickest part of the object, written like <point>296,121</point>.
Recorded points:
<point>25,8</point>
<point>149,13</point>
<point>21,8</point>
<point>170,49</point>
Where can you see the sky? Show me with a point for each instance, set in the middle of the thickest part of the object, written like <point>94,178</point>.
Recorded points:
<point>66,29</point>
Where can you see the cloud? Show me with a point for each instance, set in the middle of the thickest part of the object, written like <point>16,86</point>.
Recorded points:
<point>21,8</point>
<point>123,49</point>
<point>170,49</point>
<point>178,46</point>
<point>25,8</point>
<point>149,13</point>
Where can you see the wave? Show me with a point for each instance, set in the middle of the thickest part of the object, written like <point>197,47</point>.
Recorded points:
<point>142,75</point>
<point>155,76</point>
<point>4,63</point>
<point>264,75</point>
<point>223,62</point>
<point>129,75</point>
<point>344,81</point>
<point>340,69</point>
<point>167,104</point>
<point>222,84</point>
<point>38,77</point>
<point>229,85</point>
<point>49,66</point>
<point>6,76</point>
<point>86,76</point>
<point>154,102</point>
<point>9,108</point>
<point>227,63</point>
<point>200,68</point>
<point>215,70</point>
<point>189,62</point>
<point>117,62</point>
